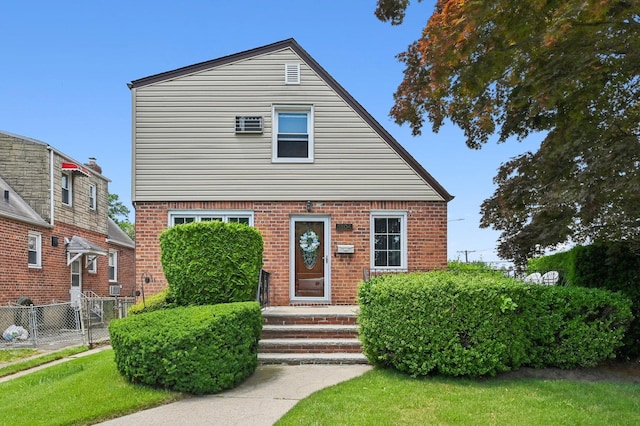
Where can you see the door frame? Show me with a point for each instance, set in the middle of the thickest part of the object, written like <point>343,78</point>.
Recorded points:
<point>74,294</point>
<point>293,246</point>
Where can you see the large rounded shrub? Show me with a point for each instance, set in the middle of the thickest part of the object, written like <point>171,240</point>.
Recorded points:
<point>195,349</point>
<point>211,262</point>
<point>480,324</point>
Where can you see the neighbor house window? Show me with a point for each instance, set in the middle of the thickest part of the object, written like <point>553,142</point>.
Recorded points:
<point>92,196</point>
<point>34,247</point>
<point>113,266</point>
<point>66,189</point>
<point>179,217</point>
<point>92,264</point>
<point>389,240</point>
<point>293,134</point>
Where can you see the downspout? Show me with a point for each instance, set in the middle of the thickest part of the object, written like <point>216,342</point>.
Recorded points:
<point>51,191</point>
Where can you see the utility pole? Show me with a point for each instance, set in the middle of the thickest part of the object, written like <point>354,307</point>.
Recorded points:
<point>466,254</point>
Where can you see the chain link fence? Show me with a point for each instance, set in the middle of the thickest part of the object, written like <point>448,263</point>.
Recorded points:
<point>61,324</point>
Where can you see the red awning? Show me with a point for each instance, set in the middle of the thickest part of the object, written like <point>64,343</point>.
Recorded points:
<point>73,167</point>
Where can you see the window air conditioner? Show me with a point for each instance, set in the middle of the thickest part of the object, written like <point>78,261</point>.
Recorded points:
<point>114,290</point>
<point>245,124</point>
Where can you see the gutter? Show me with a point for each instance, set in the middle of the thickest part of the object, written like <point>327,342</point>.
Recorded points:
<point>51,191</point>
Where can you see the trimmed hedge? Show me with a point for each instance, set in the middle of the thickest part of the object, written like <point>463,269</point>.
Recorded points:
<point>471,324</point>
<point>196,349</point>
<point>612,266</point>
<point>206,263</point>
<point>161,300</point>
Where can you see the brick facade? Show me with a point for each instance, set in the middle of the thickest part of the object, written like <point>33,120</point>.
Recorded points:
<point>51,282</point>
<point>25,165</point>
<point>426,233</point>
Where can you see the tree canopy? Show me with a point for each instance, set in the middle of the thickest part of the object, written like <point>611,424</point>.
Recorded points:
<point>119,213</point>
<point>569,69</point>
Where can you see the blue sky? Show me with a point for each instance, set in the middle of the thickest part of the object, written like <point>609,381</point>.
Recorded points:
<point>65,65</point>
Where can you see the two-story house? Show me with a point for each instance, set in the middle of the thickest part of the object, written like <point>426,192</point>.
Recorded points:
<point>268,138</point>
<point>58,238</point>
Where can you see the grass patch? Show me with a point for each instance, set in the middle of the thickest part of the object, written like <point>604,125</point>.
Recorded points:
<point>81,391</point>
<point>9,355</point>
<point>385,397</point>
<point>40,360</point>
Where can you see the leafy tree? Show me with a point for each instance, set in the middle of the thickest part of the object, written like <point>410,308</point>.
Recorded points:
<point>566,68</point>
<point>119,213</point>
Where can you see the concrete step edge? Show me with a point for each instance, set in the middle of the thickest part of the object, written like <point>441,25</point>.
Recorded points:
<point>314,358</point>
<point>309,327</point>
<point>309,341</point>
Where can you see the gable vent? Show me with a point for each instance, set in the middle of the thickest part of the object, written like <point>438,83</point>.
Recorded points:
<point>292,73</point>
<point>246,124</point>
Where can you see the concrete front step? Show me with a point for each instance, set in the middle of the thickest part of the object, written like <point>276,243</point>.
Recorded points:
<point>309,331</point>
<point>314,358</point>
<point>310,335</point>
<point>310,346</point>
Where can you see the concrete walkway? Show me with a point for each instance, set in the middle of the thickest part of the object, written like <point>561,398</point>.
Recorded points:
<point>260,400</point>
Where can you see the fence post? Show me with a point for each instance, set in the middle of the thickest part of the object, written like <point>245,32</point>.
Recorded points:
<point>33,325</point>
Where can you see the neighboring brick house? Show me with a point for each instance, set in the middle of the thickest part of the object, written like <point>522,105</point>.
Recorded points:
<point>58,238</point>
<point>267,137</point>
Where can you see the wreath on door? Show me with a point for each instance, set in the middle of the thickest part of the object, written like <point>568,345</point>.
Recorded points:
<point>309,243</point>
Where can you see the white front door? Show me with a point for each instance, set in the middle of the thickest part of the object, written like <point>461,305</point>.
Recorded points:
<point>310,259</point>
<point>76,282</point>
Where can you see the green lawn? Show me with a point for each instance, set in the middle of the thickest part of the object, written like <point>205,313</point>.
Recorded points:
<point>89,389</point>
<point>81,391</point>
<point>13,355</point>
<point>383,397</point>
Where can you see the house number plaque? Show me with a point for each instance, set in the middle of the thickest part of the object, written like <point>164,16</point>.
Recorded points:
<point>341,227</point>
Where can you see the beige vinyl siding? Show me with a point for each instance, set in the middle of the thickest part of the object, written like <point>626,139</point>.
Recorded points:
<point>185,146</point>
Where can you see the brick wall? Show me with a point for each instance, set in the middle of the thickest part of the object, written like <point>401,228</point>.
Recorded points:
<point>51,282</point>
<point>427,239</point>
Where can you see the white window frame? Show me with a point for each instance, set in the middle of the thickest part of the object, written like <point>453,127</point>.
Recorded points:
<point>91,263</point>
<point>204,215</point>
<point>93,191</point>
<point>36,237</point>
<point>68,188</point>
<point>302,109</point>
<point>389,214</point>
<point>113,266</point>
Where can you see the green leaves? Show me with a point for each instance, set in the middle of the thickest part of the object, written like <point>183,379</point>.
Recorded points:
<point>568,69</point>
<point>480,324</point>
<point>211,262</point>
<point>198,349</point>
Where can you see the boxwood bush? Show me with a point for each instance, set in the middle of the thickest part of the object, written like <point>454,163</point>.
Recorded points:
<point>612,266</point>
<point>471,324</point>
<point>196,349</point>
<point>206,263</point>
<point>160,300</point>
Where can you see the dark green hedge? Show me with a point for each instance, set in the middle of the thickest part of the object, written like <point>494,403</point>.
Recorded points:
<point>481,324</point>
<point>612,266</point>
<point>197,349</point>
<point>206,263</point>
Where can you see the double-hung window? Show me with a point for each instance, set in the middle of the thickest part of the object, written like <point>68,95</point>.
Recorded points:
<point>178,217</point>
<point>67,192</point>
<point>34,247</point>
<point>389,240</point>
<point>91,264</point>
<point>292,133</point>
<point>92,196</point>
<point>113,266</point>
